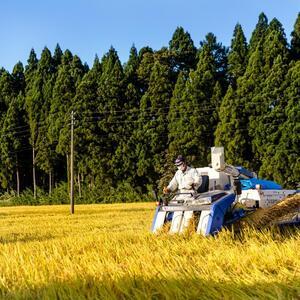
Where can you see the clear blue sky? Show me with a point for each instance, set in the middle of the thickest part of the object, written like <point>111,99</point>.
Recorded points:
<point>89,27</point>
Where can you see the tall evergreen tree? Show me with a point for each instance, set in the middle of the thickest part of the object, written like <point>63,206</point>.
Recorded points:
<point>16,118</point>
<point>258,34</point>
<point>130,122</point>
<point>143,51</point>
<point>38,98</point>
<point>6,98</point>
<point>252,105</point>
<point>268,89</point>
<point>274,44</point>
<point>77,70</point>
<point>237,57</point>
<point>30,68</point>
<point>85,104</point>
<point>64,91</point>
<point>195,131</point>
<point>3,101</point>
<point>213,51</point>
<point>268,113</point>
<point>182,51</point>
<point>57,56</point>
<point>110,105</point>
<point>19,78</point>
<point>175,120</point>
<point>295,41</point>
<point>216,100</point>
<point>6,91</point>
<point>14,141</point>
<point>151,132</point>
<point>290,142</point>
<point>125,158</point>
<point>232,130</point>
<point>132,93</point>
<point>130,68</point>
<point>281,161</point>
<point>146,58</point>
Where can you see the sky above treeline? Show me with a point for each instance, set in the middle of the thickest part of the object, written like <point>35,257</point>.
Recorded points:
<point>90,27</point>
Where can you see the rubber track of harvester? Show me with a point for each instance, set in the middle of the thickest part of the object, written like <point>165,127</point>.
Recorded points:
<point>267,217</point>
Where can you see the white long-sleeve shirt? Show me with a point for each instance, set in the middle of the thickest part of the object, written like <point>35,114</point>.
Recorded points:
<point>183,181</point>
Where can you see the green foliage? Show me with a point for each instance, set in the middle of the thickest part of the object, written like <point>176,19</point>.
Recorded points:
<point>144,70</point>
<point>233,130</point>
<point>12,142</point>
<point>176,121</point>
<point>30,68</point>
<point>281,161</point>
<point>7,91</point>
<point>295,41</point>
<point>69,75</point>
<point>269,105</point>
<point>85,105</point>
<point>123,192</point>
<point>192,113</point>
<point>110,101</point>
<point>57,56</point>
<point>266,103</point>
<point>230,132</point>
<point>213,56</point>
<point>275,44</point>
<point>258,34</point>
<point>124,160</point>
<point>151,131</point>
<point>130,68</point>
<point>131,121</point>
<point>237,56</point>
<point>10,118</point>
<point>18,78</point>
<point>182,51</point>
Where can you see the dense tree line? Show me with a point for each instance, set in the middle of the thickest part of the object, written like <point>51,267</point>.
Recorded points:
<point>131,120</point>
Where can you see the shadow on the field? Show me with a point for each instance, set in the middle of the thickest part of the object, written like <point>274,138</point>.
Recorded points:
<point>140,288</point>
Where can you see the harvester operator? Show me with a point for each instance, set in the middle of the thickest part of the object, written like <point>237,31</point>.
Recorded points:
<point>186,180</point>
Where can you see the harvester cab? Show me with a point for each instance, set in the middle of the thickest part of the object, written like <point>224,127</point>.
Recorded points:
<point>214,205</point>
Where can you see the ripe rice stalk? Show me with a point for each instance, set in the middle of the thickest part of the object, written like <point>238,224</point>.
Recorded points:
<point>193,224</point>
<point>165,228</point>
<point>107,252</point>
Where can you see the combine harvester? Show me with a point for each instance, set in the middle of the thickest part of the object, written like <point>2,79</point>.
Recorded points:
<point>227,194</point>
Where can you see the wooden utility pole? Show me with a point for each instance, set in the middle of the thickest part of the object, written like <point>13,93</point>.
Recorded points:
<point>72,165</point>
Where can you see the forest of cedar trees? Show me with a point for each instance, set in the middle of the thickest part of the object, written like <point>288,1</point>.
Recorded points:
<point>133,119</point>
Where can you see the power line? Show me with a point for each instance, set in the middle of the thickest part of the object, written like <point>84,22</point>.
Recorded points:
<point>17,133</point>
<point>17,127</point>
<point>139,111</point>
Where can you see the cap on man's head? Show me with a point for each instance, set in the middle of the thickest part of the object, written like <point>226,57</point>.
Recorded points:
<point>179,160</point>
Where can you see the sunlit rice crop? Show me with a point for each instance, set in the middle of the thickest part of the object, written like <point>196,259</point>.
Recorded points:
<point>107,252</point>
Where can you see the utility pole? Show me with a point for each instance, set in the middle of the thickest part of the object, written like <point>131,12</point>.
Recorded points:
<point>72,165</point>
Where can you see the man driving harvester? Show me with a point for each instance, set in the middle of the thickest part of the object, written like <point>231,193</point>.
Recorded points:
<point>186,180</point>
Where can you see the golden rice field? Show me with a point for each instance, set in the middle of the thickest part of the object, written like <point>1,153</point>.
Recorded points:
<point>107,252</point>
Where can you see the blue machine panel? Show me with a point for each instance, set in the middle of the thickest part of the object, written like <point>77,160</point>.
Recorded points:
<point>265,184</point>
<point>217,213</point>
<point>155,216</point>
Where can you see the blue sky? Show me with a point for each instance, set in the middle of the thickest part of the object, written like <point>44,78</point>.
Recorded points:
<point>90,27</point>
